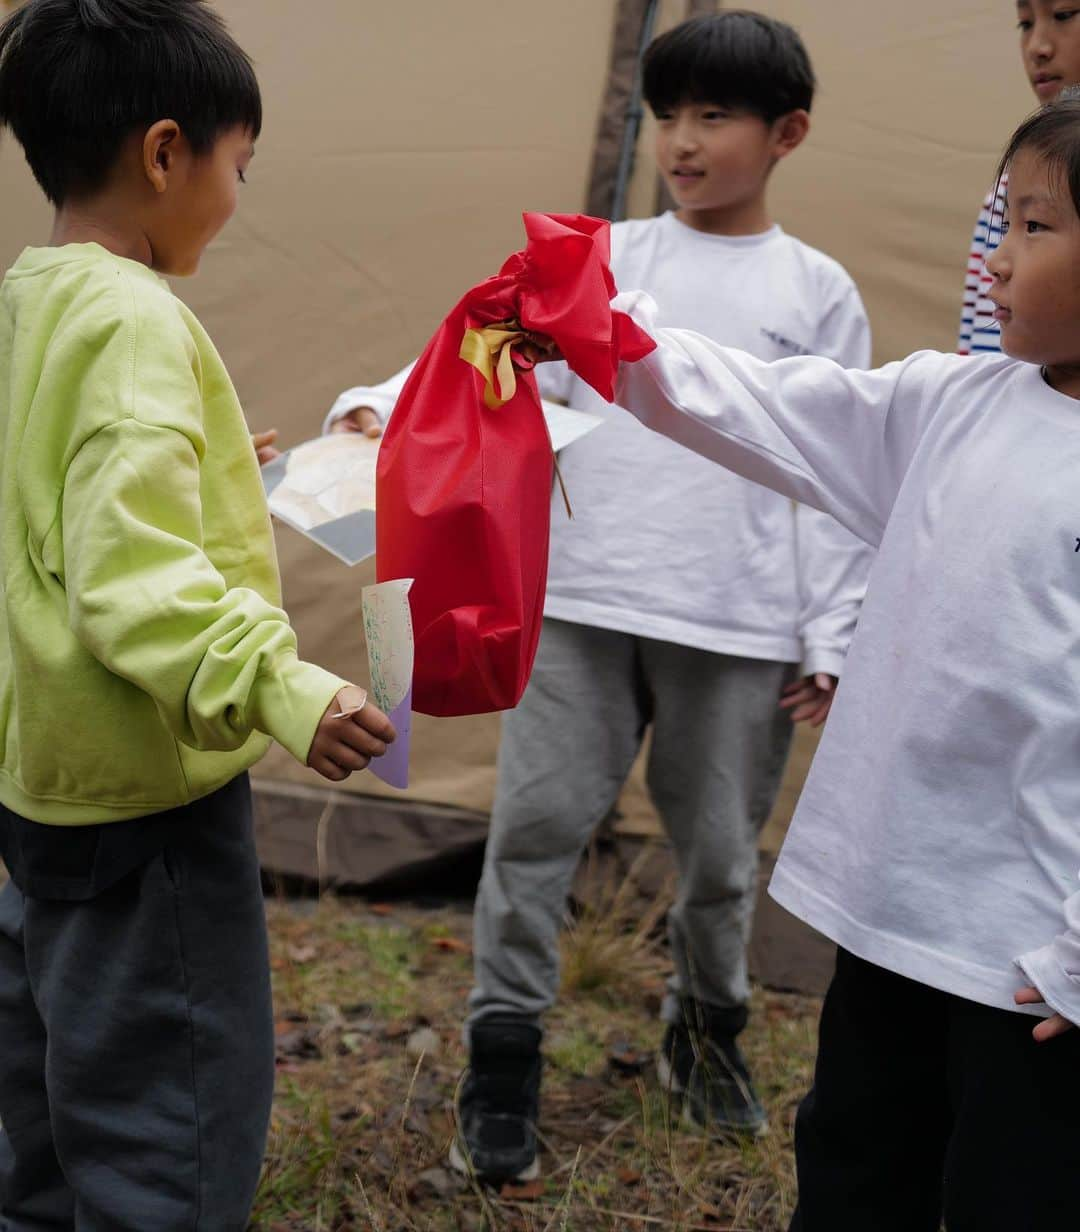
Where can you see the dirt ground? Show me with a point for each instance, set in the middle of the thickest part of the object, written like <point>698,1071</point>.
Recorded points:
<point>369,1001</point>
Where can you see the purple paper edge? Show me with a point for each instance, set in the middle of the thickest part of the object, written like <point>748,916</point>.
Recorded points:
<point>393,767</point>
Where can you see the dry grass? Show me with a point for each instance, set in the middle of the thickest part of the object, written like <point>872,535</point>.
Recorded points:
<point>362,1124</point>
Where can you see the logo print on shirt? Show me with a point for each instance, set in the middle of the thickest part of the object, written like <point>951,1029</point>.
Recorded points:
<point>796,348</point>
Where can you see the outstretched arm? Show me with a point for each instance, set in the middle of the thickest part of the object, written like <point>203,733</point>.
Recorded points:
<point>838,440</point>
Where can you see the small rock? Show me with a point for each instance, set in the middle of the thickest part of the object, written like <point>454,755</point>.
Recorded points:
<point>298,1045</point>
<point>424,1042</point>
<point>354,1042</point>
<point>329,1015</point>
<point>438,1183</point>
<point>625,1059</point>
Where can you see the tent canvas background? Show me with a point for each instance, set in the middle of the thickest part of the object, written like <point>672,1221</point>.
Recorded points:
<point>402,143</point>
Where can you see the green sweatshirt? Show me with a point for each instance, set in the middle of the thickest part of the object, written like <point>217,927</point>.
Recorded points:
<point>144,657</point>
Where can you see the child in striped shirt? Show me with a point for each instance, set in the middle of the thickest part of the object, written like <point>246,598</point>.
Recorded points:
<point>1050,50</point>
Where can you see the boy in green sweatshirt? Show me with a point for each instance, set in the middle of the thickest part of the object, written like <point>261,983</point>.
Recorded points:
<point>145,661</point>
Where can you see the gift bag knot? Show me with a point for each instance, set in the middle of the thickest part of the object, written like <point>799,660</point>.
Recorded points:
<point>465,471</point>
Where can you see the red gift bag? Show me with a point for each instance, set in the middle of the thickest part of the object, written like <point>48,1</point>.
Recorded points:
<point>463,487</point>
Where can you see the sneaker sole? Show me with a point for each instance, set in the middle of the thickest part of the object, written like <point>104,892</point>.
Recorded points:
<point>669,1082</point>
<point>461,1164</point>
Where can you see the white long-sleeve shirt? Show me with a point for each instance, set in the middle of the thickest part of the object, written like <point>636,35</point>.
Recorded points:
<point>663,545</point>
<point>938,834</point>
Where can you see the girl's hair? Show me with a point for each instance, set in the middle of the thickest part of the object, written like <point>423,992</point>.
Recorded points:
<point>77,77</point>
<point>1053,133</point>
<point>736,59</point>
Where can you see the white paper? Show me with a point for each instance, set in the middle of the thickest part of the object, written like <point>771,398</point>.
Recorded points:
<point>325,488</point>
<point>566,426</point>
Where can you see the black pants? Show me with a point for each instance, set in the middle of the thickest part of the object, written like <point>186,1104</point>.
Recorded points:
<point>926,1105</point>
<point>136,1037</point>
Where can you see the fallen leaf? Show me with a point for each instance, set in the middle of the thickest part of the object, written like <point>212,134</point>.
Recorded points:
<point>381,909</point>
<point>452,945</point>
<point>301,953</point>
<point>526,1191</point>
<point>628,1176</point>
<point>711,1214</point>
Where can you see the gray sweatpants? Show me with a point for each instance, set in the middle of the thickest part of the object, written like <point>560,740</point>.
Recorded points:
<point>718,751</point>
<point>137,1061</point>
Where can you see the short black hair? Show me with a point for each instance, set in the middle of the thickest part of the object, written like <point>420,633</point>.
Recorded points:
<point>1053,132</point>
<point>738,59</point>
<point>77,77</point>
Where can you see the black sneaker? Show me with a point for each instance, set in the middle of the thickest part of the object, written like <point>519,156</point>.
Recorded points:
<point>701,1062</point>
<point>499,1102</point>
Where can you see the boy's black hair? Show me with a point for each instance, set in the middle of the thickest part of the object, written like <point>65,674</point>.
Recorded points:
<point>77,77</point>
<point>1053,133</point>
<point>737,59</point>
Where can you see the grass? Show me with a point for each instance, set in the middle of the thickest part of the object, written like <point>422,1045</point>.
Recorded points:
<point>362,1123</point>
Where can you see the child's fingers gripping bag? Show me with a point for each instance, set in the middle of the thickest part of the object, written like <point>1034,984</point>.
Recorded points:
<point>463,488</point>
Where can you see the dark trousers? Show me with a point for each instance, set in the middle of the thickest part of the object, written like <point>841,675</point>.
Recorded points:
<point>925,1105</point>
<point>136,1036</point>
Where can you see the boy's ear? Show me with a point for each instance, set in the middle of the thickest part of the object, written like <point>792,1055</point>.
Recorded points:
<point>159,151</point>
<point>789,132</point>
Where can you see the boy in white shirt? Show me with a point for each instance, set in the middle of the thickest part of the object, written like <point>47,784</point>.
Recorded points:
<point>937,840</point>
<point>678,598</point>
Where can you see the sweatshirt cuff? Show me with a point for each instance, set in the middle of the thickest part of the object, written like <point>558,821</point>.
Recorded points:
<point>1060,989</point>
<point>821,659</point>
<point>290,699</point>
<point>353,400</point>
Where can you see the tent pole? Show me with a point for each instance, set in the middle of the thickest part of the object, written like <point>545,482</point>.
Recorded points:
<point>634,114</point>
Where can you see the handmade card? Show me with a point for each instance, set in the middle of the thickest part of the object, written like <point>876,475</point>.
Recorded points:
<point>389,634</point>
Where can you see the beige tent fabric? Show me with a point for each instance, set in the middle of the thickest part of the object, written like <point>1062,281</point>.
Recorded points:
<point>402,142</point>
<point>627,33</point>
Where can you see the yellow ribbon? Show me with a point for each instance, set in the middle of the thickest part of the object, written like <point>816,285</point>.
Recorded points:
<point>490,351</point>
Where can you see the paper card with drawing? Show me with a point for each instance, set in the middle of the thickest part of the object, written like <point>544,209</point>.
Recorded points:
<point>389,633</point>
<point>325,488</point>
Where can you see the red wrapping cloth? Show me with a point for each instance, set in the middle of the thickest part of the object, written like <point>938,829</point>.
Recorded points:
<point>463,488</point>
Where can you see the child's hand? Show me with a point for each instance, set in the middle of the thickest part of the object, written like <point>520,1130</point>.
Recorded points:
<point>361,419</point>
<point>350,733</point>
<point>537,349</point>
<point>1049,1027</point>
<point>264,446</point>
<point>810,699</point>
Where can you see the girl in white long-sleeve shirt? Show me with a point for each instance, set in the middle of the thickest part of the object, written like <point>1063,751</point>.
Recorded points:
<point>938,836</point>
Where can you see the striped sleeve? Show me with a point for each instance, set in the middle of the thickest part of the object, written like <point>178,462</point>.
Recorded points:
<point>979,332</point>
